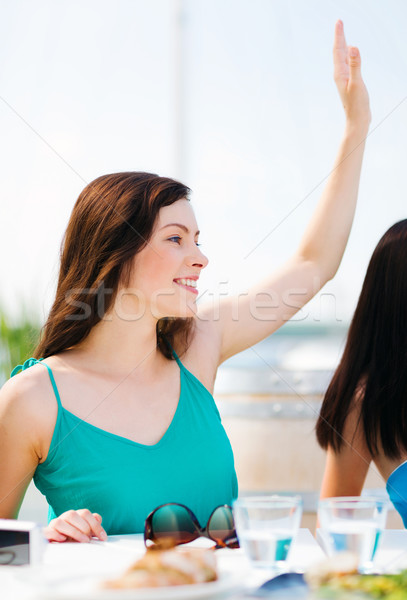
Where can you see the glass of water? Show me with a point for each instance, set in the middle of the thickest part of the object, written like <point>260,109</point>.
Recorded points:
<point>266,527</point>
<point>353,524</point>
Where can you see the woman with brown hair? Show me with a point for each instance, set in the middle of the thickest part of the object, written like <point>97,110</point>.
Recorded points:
<point>107,423</point>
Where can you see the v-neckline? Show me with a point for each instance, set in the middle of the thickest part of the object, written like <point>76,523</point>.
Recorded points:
<point>64,411</point>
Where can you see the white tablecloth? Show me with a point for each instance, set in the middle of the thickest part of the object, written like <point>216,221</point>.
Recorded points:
<point>392,552</point>
<point>111,558</point>
<point>391,555</point>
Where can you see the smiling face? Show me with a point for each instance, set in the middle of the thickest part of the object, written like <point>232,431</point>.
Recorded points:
<point>165,273</point>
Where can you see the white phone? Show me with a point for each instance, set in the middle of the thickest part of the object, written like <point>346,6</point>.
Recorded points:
<point>21,542</point>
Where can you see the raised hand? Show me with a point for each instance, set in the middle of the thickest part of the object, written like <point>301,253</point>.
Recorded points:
<point>75,526</point>
<point>348,79</point>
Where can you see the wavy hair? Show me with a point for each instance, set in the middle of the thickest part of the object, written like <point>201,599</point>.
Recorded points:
<point>112,220</point>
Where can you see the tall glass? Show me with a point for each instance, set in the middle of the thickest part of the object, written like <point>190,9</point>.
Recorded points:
<point>266,527</point>
<point>353,524</point>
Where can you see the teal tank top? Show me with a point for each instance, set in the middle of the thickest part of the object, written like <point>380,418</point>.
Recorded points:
<point>123,481</point>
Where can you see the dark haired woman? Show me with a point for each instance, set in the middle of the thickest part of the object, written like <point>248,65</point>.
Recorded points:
<point>364,413</point>
<point>107,424</point>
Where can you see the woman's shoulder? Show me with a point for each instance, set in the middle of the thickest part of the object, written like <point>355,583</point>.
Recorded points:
<point>26,395</point>
<point>201,357</point>
<point>353,419</point>
<point>26,381</point>
<point>360,389</point>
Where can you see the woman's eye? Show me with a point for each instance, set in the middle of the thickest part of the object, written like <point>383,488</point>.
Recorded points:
<point>174,238</point>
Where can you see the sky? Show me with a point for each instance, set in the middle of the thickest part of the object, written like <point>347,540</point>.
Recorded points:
<point>235,98</point>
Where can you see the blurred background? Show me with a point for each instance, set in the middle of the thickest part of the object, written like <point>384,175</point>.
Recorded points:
<point>236,98</point>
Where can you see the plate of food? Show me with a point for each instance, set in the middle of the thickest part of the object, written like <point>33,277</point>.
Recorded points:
<point>335,578</point>
<point>161,574</point>
<point>338,578</point>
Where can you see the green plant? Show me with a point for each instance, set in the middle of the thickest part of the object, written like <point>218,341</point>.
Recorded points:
<point>18,338</point>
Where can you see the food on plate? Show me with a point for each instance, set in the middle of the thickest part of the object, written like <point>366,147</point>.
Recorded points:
<point>337,577</point>
<point>322,572</point>
<point>391,587</point>
<point>166,567</point>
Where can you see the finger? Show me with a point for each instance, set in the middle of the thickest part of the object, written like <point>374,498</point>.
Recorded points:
<point>53,536</point>
<point>103,534</point>
<point>339,48</point>
<point>74,518</point>
<point>61,526</point>
<point>354,63</point>
<point>340,53</point>
<point>94,523</point>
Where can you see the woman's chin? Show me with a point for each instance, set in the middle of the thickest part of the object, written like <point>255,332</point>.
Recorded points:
<point>185,312</point>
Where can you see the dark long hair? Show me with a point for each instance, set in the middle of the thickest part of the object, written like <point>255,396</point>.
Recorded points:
<point>375,356</point>
<point>112,220</point>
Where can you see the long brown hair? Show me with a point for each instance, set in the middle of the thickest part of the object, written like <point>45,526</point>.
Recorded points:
<point>375,356</point>
<point>112,220</point>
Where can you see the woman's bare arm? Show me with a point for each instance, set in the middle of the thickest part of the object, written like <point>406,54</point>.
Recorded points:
<point>18,448</point>
<point>22,448</point>
<point>246,319</point>
<point>346,470</point>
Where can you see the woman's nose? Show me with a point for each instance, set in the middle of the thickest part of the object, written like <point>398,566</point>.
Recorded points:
<point>199,260</point>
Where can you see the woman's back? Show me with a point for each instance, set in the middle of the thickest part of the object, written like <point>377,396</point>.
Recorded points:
<point>364,413</point>
<point>346,470</point>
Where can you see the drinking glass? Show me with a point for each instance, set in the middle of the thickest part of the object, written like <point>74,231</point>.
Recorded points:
<point>353,524</point>
<point>266,527</point>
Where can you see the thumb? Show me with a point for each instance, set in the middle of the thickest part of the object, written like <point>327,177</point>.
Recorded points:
<point>354,63</point>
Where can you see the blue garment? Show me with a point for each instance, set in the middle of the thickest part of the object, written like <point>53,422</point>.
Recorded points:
<point>88,467</point>
<point>396,487</point>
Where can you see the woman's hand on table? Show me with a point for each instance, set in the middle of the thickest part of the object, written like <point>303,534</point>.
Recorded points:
<point>75,526</point>
<point>348,80</point>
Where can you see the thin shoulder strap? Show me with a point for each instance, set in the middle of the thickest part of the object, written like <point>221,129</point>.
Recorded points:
<point>177,358</point>
<point>175,355</point>
<point>34,361</point>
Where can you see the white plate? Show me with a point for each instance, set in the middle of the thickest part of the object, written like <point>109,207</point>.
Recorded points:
<point>88,588</point>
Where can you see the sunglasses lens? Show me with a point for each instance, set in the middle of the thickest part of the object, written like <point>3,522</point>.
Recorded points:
<point>222,527</point>
<point>173,522</point>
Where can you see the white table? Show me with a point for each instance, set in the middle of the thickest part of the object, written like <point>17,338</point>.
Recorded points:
<point>392,552</point>
<point>111,558</point>
<point>391,555</point>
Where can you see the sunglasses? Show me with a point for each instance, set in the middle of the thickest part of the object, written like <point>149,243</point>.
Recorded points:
<point>177,523</point>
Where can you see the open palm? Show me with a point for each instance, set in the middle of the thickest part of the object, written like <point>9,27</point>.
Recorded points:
<point>348,78</point>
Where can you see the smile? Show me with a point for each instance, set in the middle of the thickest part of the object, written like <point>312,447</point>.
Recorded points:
<point>188,284</point>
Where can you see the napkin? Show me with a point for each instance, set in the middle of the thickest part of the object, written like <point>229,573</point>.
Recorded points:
<point>286,585</point>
